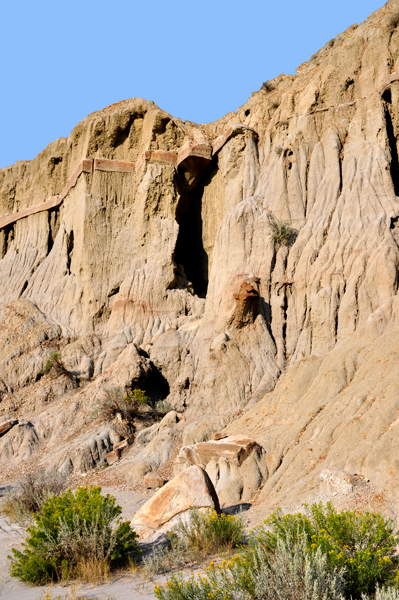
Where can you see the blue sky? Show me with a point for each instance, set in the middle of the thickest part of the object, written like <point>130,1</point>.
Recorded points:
<point>196,60</point>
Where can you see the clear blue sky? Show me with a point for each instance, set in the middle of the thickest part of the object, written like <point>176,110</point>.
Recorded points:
<point>61,60</point>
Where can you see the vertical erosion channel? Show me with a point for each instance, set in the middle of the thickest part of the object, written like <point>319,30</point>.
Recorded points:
<point>387,97</point>
<point>189,252</point>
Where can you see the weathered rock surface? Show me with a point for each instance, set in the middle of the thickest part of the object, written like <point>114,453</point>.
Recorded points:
<point>144,257</point>
<point>235,464</point>
<point>190,489</point>
<point>153,481</point>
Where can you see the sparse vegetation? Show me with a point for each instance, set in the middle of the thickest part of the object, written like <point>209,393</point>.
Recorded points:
<point>70,595</point>
<point>267,86</point>
<point>202,535</point>
<point>76,536</point>
<point>278,150</point>
<point>281,232</point>
<point>55,366</point>
<point>31,493</point>
<point>275,102</point>
<point>123,406</point>
<point>162,407</point>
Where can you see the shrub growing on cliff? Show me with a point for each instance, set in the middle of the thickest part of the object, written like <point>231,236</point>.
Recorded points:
<point>55,365</point>
<point>126,406</point>
<point>76,535</point>
<point>363,544</point>
<point>267,86</point>
<point>31,493</point>
<point>281,232</point>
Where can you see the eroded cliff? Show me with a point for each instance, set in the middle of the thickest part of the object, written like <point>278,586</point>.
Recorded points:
<point>140,248</point>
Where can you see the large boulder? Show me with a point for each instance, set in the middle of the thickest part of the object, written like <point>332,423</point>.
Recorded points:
<point>235,464</point>
<point>191,488</point>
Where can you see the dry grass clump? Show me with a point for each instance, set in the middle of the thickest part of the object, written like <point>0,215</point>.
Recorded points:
<point>267,86</point>
<point>123,407</point>
<point>281,232</point>
<point>31,493</point>
<point>69,595</point>
<point>204,534</point>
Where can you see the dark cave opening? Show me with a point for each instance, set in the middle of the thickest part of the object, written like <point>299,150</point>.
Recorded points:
<point>394,151</point>
<point>387,96</point>
<point>153,383</point>
<point>189,251</point>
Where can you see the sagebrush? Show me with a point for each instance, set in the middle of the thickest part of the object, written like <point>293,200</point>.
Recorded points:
<point>363,544</point>
<point>77,535</point>
<point>290,573</point>
<point>31,493</point>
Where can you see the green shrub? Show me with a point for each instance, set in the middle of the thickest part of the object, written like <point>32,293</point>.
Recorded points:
<point>55,365</point>
<point>204,533</point>
<point>278,150</point>
<point>281,232</point>
<point>290,573</point>
<point>73,531</point>
<point>31,493</point>
<point>361,543</point>
<point>209,532</point>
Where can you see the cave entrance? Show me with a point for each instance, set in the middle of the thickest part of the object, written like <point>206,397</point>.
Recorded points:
<point>189,251</point>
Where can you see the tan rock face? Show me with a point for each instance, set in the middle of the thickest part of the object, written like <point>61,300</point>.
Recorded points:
<point>191,488</point>
<point>153,481</point>
<point>145,257</point>
<point>235,464</point>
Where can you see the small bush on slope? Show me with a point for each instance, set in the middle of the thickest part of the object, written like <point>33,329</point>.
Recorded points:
<point>73,537</point>
<point>31,493</point>
<point>291,573</point>
<point>361,543</point>
<point>281,232</point>
<point>204,534</point>
<point>127,406</point>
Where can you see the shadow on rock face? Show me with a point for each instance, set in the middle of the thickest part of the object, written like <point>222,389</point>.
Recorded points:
<point>236,509</point>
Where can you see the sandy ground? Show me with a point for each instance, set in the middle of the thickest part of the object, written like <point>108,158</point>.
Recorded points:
<point>124,586</point>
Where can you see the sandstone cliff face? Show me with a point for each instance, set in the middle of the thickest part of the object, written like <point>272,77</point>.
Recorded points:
<point>154,266</point>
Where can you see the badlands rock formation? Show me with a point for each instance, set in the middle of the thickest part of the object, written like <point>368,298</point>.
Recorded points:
<point>139,247</point>
<point>172,503</point>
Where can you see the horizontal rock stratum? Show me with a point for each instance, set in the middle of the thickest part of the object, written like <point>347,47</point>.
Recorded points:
<point>140,250</point>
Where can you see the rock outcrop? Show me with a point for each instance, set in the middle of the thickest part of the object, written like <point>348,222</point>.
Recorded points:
<point>190,489</point>
<point>236,466</point>
<point>140,249</point>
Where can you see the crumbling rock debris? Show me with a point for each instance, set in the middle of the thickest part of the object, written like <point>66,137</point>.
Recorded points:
<point>334,481</point>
